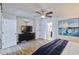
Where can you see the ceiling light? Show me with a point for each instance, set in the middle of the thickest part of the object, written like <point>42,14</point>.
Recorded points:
<point>42,16</point>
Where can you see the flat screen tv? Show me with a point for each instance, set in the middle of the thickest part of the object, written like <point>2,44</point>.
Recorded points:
<point>28,28</point>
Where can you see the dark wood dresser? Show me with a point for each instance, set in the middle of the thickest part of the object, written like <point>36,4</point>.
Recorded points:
<point>26,36</point>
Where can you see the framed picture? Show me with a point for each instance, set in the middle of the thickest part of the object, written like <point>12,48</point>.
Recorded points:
<point>69,27</point>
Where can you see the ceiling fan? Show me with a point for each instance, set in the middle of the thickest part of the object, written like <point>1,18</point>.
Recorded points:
<point>44,13</point>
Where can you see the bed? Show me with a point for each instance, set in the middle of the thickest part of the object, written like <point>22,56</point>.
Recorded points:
<point>52,48</point>
<point>58,47</point>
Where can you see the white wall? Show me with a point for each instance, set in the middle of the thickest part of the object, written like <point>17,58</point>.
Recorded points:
<point>9,18</point>
<point>0,27</point>
<point>36,26</point>
<point>39,26</point>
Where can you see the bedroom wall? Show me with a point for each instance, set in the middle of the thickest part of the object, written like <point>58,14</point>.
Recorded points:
<point>11,18</point>
<point>0,27</point>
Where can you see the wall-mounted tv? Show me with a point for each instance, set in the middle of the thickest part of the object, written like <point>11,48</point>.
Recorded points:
<point>25,29</point>
<point>28,28</point>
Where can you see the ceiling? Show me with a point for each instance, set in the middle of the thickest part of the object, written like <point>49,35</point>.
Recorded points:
<point>28,9</point>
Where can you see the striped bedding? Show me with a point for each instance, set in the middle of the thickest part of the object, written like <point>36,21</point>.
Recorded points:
<point>52,48</point>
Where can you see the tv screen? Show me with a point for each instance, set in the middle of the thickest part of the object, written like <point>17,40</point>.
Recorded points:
<point>28,28</point>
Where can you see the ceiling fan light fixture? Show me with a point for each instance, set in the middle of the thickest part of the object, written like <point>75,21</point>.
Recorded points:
<point>42,16</point>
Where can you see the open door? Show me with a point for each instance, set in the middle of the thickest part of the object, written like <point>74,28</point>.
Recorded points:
<point>49,31</point>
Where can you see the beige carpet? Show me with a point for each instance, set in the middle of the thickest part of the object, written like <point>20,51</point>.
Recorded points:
<point>30,50</point>
<point>25,48</point>
<point>27,51</point>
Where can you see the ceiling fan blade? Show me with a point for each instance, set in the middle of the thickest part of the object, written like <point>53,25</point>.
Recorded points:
<point>49,13</point>
<point>49,16</point>
<point>38,12</point>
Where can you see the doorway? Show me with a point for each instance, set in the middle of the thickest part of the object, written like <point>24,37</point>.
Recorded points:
<point>49,31</point>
